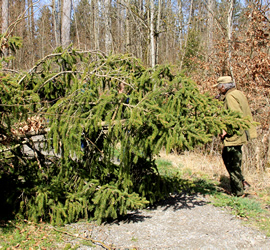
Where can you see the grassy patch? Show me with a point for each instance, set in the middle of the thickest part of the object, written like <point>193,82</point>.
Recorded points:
<point>248,208</point>
<point>190,183</point>
<point>264,195</point>
<point>23,235</point>
<point>166,167</point>
<point>243,207</point>
<point>27,235</point>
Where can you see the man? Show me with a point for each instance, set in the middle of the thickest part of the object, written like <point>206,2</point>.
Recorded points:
<point>232,151</point>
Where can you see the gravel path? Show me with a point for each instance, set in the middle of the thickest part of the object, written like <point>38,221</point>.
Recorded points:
<point>183,222</point>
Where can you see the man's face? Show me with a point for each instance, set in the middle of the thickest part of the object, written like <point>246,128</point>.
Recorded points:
<point>221,89</point>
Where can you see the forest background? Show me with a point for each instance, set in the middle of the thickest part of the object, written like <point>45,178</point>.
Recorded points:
<point>201,39</point>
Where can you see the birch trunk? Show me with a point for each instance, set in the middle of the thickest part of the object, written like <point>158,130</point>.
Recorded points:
<point>55,24</point>
<point>158,31</point>
<point>96,24</point>
<point>152,34</point>
<point>107,20</point>
<point>5,13</point>
<point>66,22</point>
<point>5,24</point>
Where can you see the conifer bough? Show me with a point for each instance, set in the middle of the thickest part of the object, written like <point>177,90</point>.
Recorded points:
<point>104,141</point>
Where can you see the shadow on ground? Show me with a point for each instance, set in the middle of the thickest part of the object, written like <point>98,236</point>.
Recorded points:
<point>191,196</point>
<point>225,184</point>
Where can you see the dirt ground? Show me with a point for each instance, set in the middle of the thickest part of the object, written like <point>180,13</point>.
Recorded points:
<point>181,222</point>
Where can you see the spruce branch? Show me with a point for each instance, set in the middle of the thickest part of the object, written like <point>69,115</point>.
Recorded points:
<point>157,110</point>
<point>56,75</point>
<point>94,144</point>
<point>55,55</point>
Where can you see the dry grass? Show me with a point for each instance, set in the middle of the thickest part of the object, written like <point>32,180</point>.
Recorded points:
<point>198,164</point>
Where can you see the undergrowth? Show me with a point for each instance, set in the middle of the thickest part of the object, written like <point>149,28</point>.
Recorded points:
<point>26,235</point>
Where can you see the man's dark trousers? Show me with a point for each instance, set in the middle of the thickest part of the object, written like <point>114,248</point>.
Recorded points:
<point>232,157</point>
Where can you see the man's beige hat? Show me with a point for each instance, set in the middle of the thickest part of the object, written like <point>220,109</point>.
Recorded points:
<point>223,79</point>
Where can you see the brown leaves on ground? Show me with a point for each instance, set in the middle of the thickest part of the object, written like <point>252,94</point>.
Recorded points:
<point>32,124</point>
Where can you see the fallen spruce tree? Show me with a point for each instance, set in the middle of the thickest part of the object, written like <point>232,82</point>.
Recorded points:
<point>97,159</point>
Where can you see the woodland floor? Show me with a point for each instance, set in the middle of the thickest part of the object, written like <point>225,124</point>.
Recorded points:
<point>181,222</point>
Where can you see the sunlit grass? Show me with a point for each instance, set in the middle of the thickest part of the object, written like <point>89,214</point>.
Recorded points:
<point>23,235</point>
<point>252,211</point>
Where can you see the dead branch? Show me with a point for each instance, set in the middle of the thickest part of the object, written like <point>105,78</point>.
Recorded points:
<point>97,242</point>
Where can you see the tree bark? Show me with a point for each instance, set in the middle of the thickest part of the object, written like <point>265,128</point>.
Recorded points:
<point>180,19</point>
<point>66,22</point>
<point>76,29</point>
<point>55,15</point>
<point>187,33</point>
<point>210,27</point>
<point>5,18</point>
<point>230,28</point>
<point>152,34</point>
<point>108,37</point>
<point>128,28</point>
<point>5,24</point>
<point>158,31</point>
<point>96,24</point>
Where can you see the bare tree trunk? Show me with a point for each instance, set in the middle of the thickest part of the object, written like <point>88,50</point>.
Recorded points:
<point>108,37</point>
<point>76,27</point>
<point>128,29</point>
<point>180,18</point>
<point>5,13</point>
<point>31,31</point>
<point>170,33</point>
<point>5,24</point>
<point>152,34</point>
<point>158,31</point>
<point>32,19</point>
<point>210,27</point>
<point>229,28</point>
<point>141,45</point>
<point>121,27</point>
<point>66,22</point>
<point>96,23</point>
<point>22,32</point>
<point>187,33</point>
<point>56,21</point>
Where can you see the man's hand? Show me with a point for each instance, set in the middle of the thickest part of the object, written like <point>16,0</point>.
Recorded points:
<point>224,133</point>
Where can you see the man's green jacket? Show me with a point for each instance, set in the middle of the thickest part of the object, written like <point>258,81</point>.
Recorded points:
<point>235,100</point>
